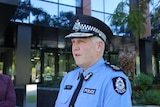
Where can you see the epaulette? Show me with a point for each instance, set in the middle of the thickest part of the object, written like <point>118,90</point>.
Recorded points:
<point>75,68</point>
<point>115,68</point>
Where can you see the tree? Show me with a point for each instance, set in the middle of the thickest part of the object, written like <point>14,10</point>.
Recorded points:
<point>131,15</point>
<point>22,11</point>
<point>41,17</point>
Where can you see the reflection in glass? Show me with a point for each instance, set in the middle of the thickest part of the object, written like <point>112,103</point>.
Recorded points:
<point>50,8</point>
<point>119,30</point>
<point>76,3</point>
<point>64,9</point>
<point>107,6</point>
<point>52,0</point>
<point>107,21</point>
<point>104,13</point>
<point>43,13</point>
<point>65,14</point>
<point>98,15</point>
<point>22,13</point>
<point>110,5</point>
<point>97,6</point>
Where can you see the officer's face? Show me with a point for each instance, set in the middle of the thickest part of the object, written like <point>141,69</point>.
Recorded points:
<point>84,52</point>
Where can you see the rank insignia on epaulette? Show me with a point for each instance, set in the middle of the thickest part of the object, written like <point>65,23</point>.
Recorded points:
<point>119,84</point>
<point>107,63</point>
<point>116,68</point>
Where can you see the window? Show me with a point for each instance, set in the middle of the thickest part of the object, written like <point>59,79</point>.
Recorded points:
<point>76,3</point>
<point>98,15</point>
<point>35,66</point>
<point>52,0</point>
<point>43,13</point>
<point>46,12</point>
<point>104,11</point>
<point>50,8</point>
<point>110,5</point>
<point>97,6</point>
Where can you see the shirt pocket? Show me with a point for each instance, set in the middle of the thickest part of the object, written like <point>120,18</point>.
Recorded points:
<point>65,96</point>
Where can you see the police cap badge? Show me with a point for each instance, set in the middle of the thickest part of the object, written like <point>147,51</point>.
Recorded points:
<point>88,26</point>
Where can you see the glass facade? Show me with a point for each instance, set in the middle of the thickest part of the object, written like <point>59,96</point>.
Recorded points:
<point>49,60</point>
<point>51,13</point>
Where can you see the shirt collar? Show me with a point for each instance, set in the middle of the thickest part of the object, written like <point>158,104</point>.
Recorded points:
<point>93,67</point>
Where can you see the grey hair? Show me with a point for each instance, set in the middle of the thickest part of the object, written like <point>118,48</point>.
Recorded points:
<point>96,39</point>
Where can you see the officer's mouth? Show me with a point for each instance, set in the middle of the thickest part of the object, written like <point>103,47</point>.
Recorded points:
<point>77,55</point>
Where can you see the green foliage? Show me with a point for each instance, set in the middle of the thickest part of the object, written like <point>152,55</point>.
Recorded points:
<point>119,17</point>
<point>152,97</point>
<point>144,81</point>
<point>136,22</point>
<point>147,94</point>
<point>138,97</point>
<point>149,97</point>
<point>135,18</point>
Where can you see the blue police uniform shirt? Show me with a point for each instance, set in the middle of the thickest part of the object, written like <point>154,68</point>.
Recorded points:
<point>103,87</point>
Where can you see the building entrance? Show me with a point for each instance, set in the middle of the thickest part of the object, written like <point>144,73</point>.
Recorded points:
<point>43,66</point>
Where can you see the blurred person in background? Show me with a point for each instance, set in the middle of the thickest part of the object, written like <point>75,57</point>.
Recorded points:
<point>7,92</point>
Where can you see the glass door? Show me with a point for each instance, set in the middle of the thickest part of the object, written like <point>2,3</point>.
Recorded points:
<point>49,66</point>
<point>42,66</point>
<point>35,66</point>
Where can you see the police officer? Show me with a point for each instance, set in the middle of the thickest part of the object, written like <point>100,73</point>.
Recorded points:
<point>94,83</point>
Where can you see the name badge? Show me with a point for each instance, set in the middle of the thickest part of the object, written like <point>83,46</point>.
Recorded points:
<point>68,87</point>
<point>89,91</point>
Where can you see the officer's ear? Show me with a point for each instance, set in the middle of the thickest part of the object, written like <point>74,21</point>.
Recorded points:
<point>99,46</point>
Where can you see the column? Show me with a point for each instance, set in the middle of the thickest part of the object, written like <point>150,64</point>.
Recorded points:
<point>23,54</point>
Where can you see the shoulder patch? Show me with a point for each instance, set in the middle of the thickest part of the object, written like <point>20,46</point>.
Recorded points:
<point>119,84</point>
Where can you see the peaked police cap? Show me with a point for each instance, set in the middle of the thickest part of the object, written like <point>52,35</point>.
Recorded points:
<point>87,26</point>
